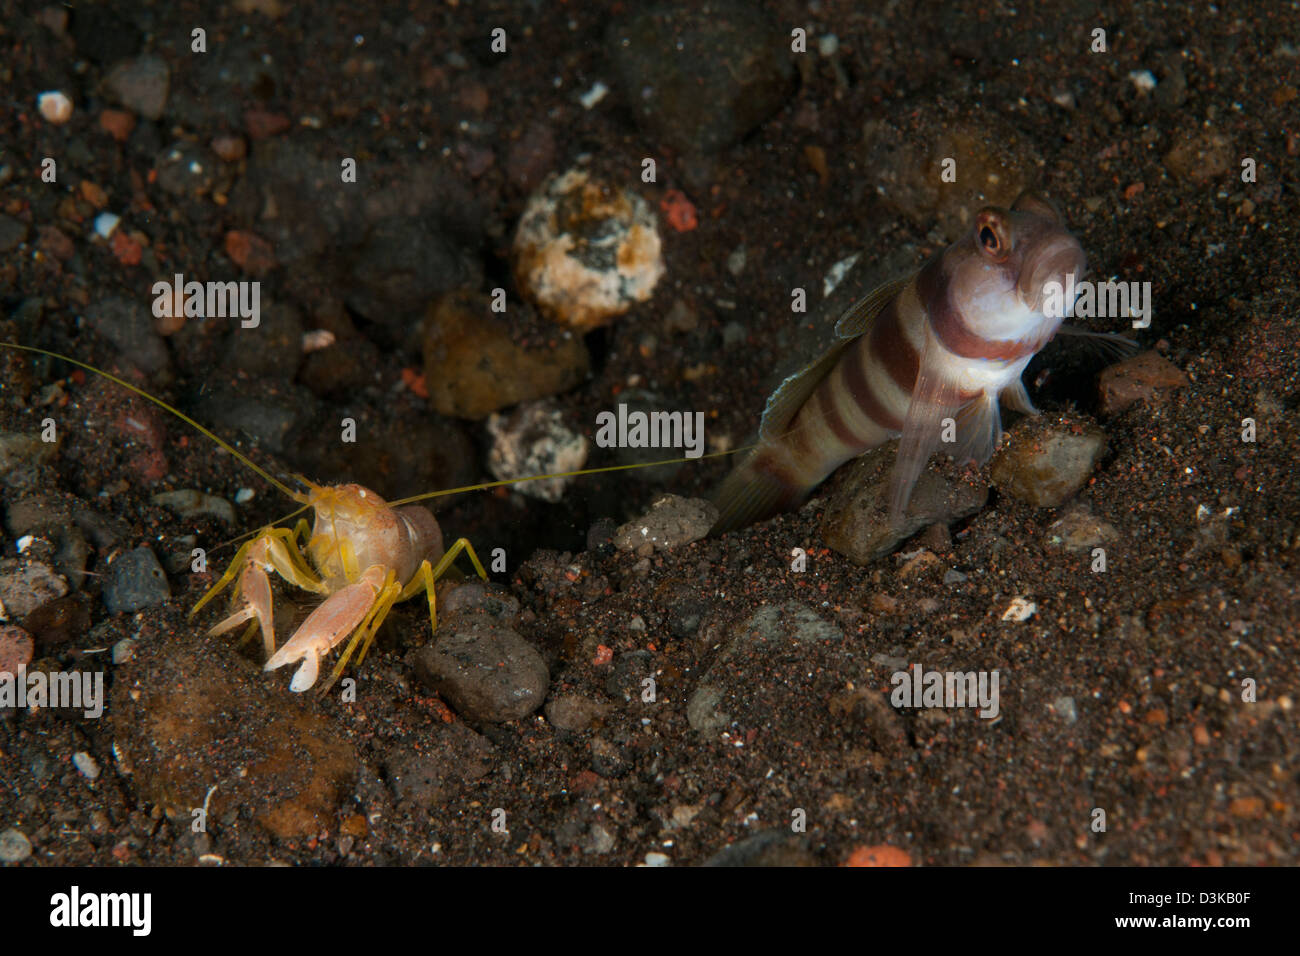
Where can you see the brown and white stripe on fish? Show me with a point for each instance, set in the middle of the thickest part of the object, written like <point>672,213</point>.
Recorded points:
<point>947,342</point>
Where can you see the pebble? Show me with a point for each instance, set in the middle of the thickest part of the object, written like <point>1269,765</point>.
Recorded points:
<point>1066,709</point>
<point>1200,155</point>
<point>531,156</point>
<point>438,770</point>
<point>191,503</point>
<point>574,712</point>
<point>535,440</point>
<point>12,232</point>
<point>776,847</point>
<point>855,523</point>
<point>1020,609</point>
<point>117,123</point>
<point>1136,379</point>
<point>140,84</point>
<point>671,522</point>
<point>906,152</point>
<point>26,586</point>
<point>473,365</point>
<point>186,169</point>
<point>135,580</point>
<point>586,251</point>
<point>55,107</point>
<point>405,262</point>
<point>172,723</point>
<point>883,855</point>
<point>486,672</point>
<point>14,846</point>
<point>86,764</point>
<point>1046,464</point>
<point>1080,530</point>
<point>701,77</point>
<point>129,325</point>
<point>17,449</point>
<point>16,647</point>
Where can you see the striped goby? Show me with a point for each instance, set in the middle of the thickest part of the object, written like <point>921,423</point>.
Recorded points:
<point>946,342</point>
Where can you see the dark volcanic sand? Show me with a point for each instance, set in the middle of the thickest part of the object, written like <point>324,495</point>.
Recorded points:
<point>1123,692</point>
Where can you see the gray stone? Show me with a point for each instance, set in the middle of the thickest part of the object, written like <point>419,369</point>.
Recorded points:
<point>140,84</point>
<point>1047,466</point>
<point>857,524</point>
<point>486,672</point>
<point>135,580</point>
<point>671,522</point>
<point>14,846</point>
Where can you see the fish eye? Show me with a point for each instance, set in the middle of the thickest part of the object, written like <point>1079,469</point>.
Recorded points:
<point>989,239</point>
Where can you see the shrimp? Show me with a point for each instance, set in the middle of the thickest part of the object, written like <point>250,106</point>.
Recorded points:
<point>362,554</point>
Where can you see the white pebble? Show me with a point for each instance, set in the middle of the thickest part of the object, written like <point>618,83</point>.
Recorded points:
<point>86,764</point>
<point>837,273</point>
<point>828,44</point>
<point>106,223</point>
<point>1020,610</point>
<point>24,542</point>
<point>317,339</point>
<point>14,846</point>
<point>656,859</point>
<point>244,495</point>
<point>593,95</point>
<point>55,107</point>
<point>1144,80</point>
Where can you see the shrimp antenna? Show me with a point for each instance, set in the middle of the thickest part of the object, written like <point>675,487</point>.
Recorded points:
<point>165,407</point>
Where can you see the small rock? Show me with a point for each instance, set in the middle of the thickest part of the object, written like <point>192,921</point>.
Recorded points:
<point>12,233</point>
<point>486,672</point>
<point>856,524</point>
<point>230,149</point>
<point>702,710</point>
<point>135,580</point>
<point>1135,379</point>
<point>531,156</point>
<point>1080,530</point>
<point>702,76</point>
<point>474,366</point>
<point>671,523</point>
<point>1047,464</point>
<point>574,712</point>
<point>129,325</point>
<point>438,770</point>
<point>883,855</point>
<point>405,262</point>
<point>1199,156</point>
<point>906,152</point>
<point>769,848</point>
<point>87,765</point>
<point>250,252</point>
<point>1020,609</point>
<point>26,586</point>
<point>55,107</point>
<point>534,440</point>
<point>14,846</point>
<point>186,169</point>
<point>117,123</point>
<point>191,503</point>
<point>585,251</point>
<point>17,449</point>
<point>16,647</point>
<point>140,84</point>
<point>1065,708</point>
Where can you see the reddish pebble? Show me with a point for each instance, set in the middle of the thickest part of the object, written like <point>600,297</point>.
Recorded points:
<point>415,382</point>
<point>52,241</point>
<point>15,649</point>
<point>261,124</point>
<point>679,211</point>
<point>117,123</point>
<point>127,250</point>
<point>883,855</point>
<point>230,148</point>
<point>250,252</point>
<point>603,655</point>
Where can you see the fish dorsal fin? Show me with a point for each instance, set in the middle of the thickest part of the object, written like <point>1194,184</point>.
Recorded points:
<point>785,402</point>
<point>857,317</point>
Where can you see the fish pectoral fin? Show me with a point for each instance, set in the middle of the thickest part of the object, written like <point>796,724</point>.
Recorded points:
<point>979,427</point>
<point>1017,399</point>
<point>790,396</point>
<point>1110,344</point>
<point>934,398</point>
<point>857,318</point>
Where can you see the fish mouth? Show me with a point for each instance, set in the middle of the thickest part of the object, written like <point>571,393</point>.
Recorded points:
<point>1056,259</point>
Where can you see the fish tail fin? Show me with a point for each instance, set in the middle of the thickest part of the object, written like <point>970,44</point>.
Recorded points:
<point>753,492</point>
